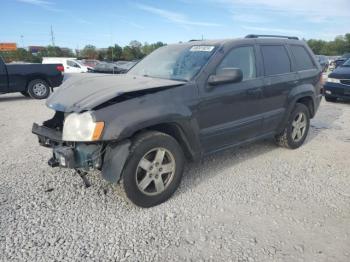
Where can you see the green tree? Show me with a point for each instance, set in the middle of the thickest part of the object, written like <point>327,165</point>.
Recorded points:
<point>89,52</point>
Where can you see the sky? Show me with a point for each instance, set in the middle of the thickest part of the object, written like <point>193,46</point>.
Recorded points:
<point>77,23</point>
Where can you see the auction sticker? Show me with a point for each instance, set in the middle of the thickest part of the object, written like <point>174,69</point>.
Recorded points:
<point>202,48</point>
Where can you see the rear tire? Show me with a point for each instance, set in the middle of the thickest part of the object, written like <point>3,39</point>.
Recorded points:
<point>297,128</point>
<point>38,89</point>
<point>330,99</point>
<point>144,179</point>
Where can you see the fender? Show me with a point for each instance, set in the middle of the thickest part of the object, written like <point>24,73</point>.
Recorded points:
<point>301,91</point>
<point>166,107</point>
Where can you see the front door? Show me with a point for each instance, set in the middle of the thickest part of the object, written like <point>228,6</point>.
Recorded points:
<point>230,113</point>
<point>3,77</point>
<point>72,67</point>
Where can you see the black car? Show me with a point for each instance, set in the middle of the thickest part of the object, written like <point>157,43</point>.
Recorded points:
<point>35,80</point>
<point>114,67</point>
<point>106,68</point>
<point>182,102</point>
<point>338,83</point>
<point>341,60</point>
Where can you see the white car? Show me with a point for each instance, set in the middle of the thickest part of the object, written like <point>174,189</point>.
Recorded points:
<point>71,65</point>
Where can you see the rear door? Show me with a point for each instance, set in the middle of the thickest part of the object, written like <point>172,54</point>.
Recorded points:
<point>279,79</point>
<point>3,77</point>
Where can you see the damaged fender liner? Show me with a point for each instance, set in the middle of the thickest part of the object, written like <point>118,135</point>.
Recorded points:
<point>114,159</point>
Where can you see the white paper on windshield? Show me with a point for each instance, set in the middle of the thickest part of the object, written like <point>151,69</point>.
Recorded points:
<point>202,48</point>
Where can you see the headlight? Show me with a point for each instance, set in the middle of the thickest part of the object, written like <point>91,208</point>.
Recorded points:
<point>81,127</point>
<point>333,80</point>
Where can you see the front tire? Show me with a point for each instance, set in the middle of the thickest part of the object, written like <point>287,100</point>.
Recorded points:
<point>38,89</point>
<point>297,128</point>
<point>154,169</point>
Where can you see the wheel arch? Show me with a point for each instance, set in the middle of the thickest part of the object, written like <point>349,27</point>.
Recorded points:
<point>174,130</point>
<point>32,77</point>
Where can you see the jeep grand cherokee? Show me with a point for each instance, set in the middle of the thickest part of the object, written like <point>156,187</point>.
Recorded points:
<point>183,101</point>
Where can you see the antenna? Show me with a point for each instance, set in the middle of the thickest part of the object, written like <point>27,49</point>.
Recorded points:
<point>52,37</point>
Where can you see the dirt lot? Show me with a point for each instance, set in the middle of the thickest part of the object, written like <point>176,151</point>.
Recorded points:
<point>256,203</point>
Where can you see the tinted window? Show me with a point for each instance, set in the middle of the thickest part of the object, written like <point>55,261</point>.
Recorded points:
<point>302,58</point>
<point>276,59</point>
<point>242,58</point>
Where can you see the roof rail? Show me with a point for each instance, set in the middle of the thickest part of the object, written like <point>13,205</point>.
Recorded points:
<point>275,36</point>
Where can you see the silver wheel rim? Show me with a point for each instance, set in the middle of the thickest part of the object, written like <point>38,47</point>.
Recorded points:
<point>299,127</point>
<point>39,89</point>
<point>155,171</point>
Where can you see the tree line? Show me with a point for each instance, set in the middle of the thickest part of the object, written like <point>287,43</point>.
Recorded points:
<point>137,50</point>
<point>338,46</point>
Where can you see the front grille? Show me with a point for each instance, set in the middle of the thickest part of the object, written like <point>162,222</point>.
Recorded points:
<point>345,82</point>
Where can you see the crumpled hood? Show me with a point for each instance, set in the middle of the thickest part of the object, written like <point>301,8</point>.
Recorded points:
<point>86,91</point>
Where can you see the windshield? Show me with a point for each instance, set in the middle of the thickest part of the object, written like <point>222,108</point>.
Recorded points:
<point>175,62</point>
<point>347,63</point>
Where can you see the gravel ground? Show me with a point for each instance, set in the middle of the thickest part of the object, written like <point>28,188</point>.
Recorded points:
<point>255,203</point>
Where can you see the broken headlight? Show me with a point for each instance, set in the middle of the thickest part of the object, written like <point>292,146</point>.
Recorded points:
<point>81,128</point>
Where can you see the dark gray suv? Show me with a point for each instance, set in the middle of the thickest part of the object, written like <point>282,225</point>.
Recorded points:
<point>181,102</point>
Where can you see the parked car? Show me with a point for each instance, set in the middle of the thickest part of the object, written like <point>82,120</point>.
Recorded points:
<point>323,60</point>
<point>114,67</point>
<point>107,68</point>
<point>35,80</point>
<point>182,102</point>
<point>124,68</point>
<point>71,65</point>
<point>90,62</point>
<point>341,60</point>
<point>338,83</point>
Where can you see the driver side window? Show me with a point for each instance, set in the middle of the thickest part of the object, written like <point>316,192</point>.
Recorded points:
<point>72,64</point>
<point>242,58</point>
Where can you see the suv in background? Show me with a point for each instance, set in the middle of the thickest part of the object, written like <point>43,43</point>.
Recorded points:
<point>182,102</point>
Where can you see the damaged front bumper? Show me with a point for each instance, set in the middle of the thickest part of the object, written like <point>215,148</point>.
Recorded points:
<point>107,157</point>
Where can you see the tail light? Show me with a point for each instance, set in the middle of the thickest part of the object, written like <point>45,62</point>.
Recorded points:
<point>60,68</point>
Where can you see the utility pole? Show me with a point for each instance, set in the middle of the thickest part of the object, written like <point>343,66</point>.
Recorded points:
<point>52,37</point>
<point>22,42</point>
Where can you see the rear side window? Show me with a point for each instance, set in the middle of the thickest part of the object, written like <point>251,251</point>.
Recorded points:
<point>302,58</point>
<point>276,60</point>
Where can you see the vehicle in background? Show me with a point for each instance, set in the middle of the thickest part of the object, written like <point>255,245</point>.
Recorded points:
<point>115,67</point>
<point>71,65</point>
<point>90,62</point>
<point>338,83</point>
<point>107,68</point>
<point>125,67</point>
<point>323,60</point>
<point>341,60</point>
<point>183,101</point>
<point>34,80</point>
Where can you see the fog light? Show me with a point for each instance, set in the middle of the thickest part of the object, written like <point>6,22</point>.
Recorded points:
<point>328,92</point>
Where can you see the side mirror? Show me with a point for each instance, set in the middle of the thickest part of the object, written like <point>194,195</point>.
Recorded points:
<point>226,76</point>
